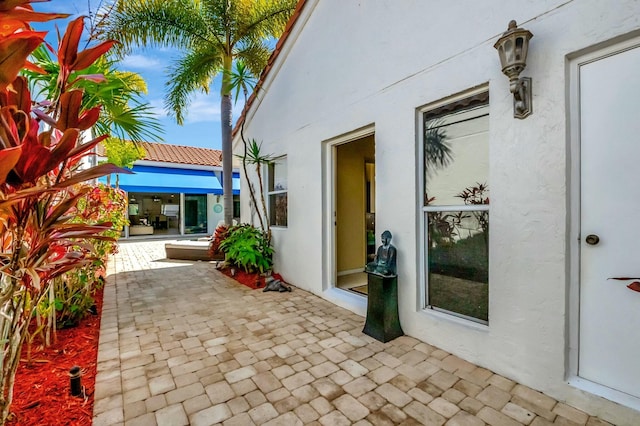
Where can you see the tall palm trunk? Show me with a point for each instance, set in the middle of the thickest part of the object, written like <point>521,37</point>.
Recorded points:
<point>226,118</point>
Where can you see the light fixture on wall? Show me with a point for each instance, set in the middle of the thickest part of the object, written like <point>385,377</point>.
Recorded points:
<point>512,48</point>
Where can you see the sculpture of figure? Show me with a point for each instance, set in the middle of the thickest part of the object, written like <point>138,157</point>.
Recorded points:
<point>272,284</point>
<point>385,262</point>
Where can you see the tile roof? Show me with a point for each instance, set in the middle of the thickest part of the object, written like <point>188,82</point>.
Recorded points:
<point>272,58</point>
<point>180,154</point>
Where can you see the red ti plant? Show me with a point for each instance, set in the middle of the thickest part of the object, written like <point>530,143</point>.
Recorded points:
<point>40,152</point>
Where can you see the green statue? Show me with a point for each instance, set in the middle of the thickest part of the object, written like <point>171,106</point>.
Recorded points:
<point>385,261</point>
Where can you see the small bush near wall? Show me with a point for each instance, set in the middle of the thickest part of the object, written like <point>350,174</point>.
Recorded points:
<point>248,248</point>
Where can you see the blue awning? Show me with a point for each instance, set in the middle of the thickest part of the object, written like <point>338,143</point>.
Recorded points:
<point>169,180</point>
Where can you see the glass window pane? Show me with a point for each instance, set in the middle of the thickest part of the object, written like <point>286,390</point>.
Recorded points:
<point>458,262</point>
<point>278,209</point>
<point>456,155</point>
<point>195,214</point>
<point>278,175</point>
<point>236,206</point>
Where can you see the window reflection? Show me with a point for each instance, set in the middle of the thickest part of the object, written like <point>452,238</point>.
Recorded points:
<point>458,262</point>
<point>456,154</point>
<point>456,198</point>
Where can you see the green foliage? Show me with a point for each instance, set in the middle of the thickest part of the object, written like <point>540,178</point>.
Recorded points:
<point>74,296</point>
<point>248,248</point>
<point>39,179</point>
<point>210,35</point>
<point>253,155</point>
<point>74,291</point>
<point>465,258</point>
<point>122,153</point>
<point>124,113</point>
<point>242,79</point>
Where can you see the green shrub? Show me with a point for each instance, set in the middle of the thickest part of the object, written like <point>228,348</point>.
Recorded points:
<point>248,248</point>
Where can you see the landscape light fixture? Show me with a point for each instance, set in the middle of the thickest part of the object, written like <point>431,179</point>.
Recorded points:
<point>512,48</point>
<point>75,381</point>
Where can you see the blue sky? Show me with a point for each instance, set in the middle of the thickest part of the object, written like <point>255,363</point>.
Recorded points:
<point>202,122</point>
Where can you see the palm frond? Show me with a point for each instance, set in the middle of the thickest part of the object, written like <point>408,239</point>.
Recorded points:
<point>124,113</point>
<point>262,18</point>
<point>242,79</point>
<point>192,72</point>
<point>254,55</point>
<point>137,123</point>
<point>161,23</point>
<point>438,153</point>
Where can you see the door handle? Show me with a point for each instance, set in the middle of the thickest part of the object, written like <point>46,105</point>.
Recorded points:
<point>592,239</point>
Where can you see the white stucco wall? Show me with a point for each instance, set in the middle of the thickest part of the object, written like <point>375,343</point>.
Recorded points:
<point>350,64</point>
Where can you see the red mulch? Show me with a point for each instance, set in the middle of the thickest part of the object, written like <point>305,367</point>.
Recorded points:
<point>253,280</point>
<point>41,391</point>
<point>250,280</point>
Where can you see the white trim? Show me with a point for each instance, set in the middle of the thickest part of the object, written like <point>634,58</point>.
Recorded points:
<point>181,224</point>
<point>353,135</point>
<point>448,313</point>
<point>179,166</point>
<point>458,208</point>
<point>592,54</point>
<point>421,234</point>
<point>605,392</point>
<point>347,299</point>
<point>268,193</point>
<point>481,88</point>
<point>460,320</point>
<point>329,157</point>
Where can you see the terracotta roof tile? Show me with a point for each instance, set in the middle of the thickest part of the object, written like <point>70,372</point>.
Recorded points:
<point>272,58</point>
<point>180,154</point>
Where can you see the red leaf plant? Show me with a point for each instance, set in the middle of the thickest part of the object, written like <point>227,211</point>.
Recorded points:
<point>41,237</point>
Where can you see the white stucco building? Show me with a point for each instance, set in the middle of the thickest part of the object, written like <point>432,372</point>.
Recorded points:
<point>381,113</point>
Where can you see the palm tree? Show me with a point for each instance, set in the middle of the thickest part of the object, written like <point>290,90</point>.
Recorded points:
<point>243,80</point>
<point>124,113</point>
<point>211,34</point>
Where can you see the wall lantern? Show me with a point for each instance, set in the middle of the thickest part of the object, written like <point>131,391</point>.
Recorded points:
<point>512,48</point>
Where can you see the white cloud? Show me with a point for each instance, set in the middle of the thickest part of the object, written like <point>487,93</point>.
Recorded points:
<point>237,107</point>
<point>137,61</point>
<point>203,107</point>
<point>157,106</point>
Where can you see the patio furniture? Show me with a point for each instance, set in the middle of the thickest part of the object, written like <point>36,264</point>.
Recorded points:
<point>161,222</point>
<point>141,230</point>
<point>187,250</point>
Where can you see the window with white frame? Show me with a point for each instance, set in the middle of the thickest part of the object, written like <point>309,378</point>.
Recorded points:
<point>277,191</point>
<point>455,146</point>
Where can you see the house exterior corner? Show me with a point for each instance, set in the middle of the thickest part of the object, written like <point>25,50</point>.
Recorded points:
<point>396,116</point>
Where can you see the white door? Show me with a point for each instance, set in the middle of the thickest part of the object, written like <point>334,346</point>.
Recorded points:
<point>609,343</point>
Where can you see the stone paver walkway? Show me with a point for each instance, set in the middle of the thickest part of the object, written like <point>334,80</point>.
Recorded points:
<point>182,344</point>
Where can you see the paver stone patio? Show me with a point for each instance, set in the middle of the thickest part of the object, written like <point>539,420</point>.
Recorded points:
<point>180,343</point>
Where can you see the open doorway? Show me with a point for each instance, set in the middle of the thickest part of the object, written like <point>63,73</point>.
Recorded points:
<point>355,191</point>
